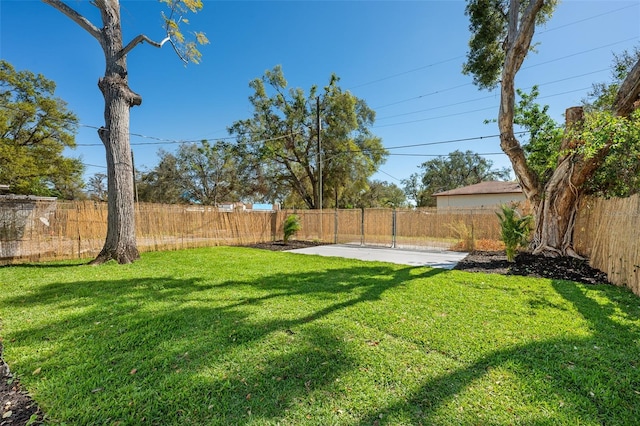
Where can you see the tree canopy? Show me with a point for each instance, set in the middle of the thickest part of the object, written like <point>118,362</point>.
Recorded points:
<point>35,128</point>
<point>279,143</point>
<point>456,170</point>
<point>201,173</point>
<point>377,194</point>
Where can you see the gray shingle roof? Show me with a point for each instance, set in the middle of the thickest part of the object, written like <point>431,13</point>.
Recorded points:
<point>492,187</point>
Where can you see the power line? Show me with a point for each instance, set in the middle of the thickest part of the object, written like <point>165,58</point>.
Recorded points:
<point>524,68</point>
<point>493,96</point>
<point>579,53</point>
<point>407,72</point>
<point>462,56</point>
<point>587,19</point>
<point>444,155</point>
<point>392,177</point>
<point>469,112</point>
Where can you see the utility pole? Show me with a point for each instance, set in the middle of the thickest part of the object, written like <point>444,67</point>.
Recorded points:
<point>318,126</point>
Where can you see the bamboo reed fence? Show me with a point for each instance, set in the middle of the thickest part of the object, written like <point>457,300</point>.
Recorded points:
<point>45,230</point>
<point>608,233</point>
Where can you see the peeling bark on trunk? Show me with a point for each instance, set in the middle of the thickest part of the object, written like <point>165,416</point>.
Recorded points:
<point>555,214</point>
<point>557,208</point>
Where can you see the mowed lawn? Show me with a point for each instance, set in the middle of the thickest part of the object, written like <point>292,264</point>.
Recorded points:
<point>238,336</point>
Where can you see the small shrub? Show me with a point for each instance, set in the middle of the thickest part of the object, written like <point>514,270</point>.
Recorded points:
<point>514,229</point>
<point>291,226</point>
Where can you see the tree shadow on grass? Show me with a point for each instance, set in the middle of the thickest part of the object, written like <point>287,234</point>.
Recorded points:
<point>172,351</point>
<point>592,379</point>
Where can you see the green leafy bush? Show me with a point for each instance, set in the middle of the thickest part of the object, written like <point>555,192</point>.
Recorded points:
<point>291,226</point>
<point>515,230</point>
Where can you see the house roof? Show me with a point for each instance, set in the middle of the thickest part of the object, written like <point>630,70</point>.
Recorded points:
<point>491,187</point>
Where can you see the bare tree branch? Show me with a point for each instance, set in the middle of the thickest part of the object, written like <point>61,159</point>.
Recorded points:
<point>140,39</point>
<point>76,17</point>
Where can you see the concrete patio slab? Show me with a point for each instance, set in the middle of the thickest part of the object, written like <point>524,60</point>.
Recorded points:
<point>434,259</point>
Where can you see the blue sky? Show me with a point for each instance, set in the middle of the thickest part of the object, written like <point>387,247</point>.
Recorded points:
<point>403,57</point>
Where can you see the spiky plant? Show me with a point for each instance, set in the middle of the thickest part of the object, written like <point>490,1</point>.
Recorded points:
<point>514,230</point>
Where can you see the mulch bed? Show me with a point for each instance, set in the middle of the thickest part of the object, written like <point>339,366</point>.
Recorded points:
<point>16,407</point>
<point>290,245</point>
<point>530,265</point>
<point>14,400</point>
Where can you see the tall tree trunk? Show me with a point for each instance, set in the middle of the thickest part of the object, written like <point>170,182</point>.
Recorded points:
<point>557,208</point>
<point>120,243</point>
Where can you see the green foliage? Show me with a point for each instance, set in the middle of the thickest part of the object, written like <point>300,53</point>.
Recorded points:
<point>514,230</point>
<point>291,226</point>
<point>235,336</point>
<point>162,184</point>
<point>545,135</point>
<point>35,128</point>
<point>376,194</point>
<point>97,187</point>
<point>279,142</point>
<point>186,49</point>
<point>201,173</point>
<point>619,174</point>
<point>456,170</point>
<point>488,23</point>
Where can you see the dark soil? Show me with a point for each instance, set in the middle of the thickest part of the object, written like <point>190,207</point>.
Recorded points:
<point>16,407</point>
<point>530,265</point>
<point>22,408</point>
<point>290,245</point>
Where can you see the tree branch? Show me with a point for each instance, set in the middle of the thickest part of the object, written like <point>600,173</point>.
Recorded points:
<point>629,93</point>
<point>140,39</point>
<point>517,48</point>
<point>76,17</point>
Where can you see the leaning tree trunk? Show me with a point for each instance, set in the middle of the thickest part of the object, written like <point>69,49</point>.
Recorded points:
<point>120,243</point>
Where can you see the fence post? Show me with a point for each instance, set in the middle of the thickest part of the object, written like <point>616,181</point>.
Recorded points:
<point>335,227</point>
<point>393,228</point>
<point>274,224</point>
<point>362,228</point>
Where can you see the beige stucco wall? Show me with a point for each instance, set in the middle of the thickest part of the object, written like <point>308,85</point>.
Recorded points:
<point>477,200</point>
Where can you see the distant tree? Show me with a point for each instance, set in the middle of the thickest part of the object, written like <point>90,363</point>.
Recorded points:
<point>280,139</point>
<point>163,184</point>
<point>35,128</point>
<point>97,187</point>
<point>120,242</point>
<point>502,32</point>
<point>456,170</point>
<point>377,194</point>
<point>208,173</point>
<point>200,173</point>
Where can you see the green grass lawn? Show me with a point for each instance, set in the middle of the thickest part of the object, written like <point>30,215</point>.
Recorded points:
<point>242,336</point>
